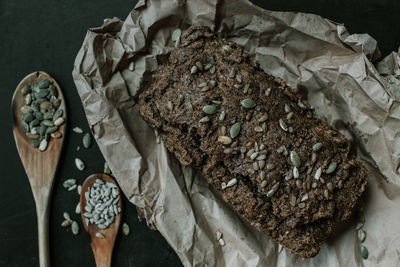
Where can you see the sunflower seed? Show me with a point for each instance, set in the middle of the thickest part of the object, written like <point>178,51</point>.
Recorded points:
<point>329,186</point>
<point>254,155</point>
<point>295,172</point>
<point>75,228</point>
<point>212,83</point>
<point>317,146</point>
<point>261,157</point>
<point>314,185</point>
<point>340,184</point>
<point>326,193</point>
<point>221,242</point>
<point>301,105</point>
<point>250,152</point>
<point>238,78</point>
<point>283,125</point>
<point>43,145</point>
<point>212,70</point>
<point>223,185</point>
<point>268,91</point>
<point>193,70</point>
<point>361,235</point>
<point>255,165</point>
<point>289,116</point>
<point>331,167</point>
<point>66,223</point>
<point>295,158</point>
<point>270,193</point>
<point>79,164</point>
<point>231,182</point>
<point>86,140</point>
<point>235,129</point>
<point>263,184</point>
<point>318,173</point>
<point>313,157</point>
<point>224,140</point>
<point>199,65</point>
<point>207,66</point>
<point>243,149</point>
<point>287,108</point>
<point>248,103</point>
<point>170,106</point>
<point>258,129</point>
<point>204,119</point>
<point>364,252</point>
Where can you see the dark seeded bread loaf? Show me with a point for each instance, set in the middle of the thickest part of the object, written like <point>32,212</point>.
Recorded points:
<point>291,175</point>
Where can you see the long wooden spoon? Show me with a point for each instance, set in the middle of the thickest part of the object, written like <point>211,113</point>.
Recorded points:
<point>40,167</point>
<point>102,247</point>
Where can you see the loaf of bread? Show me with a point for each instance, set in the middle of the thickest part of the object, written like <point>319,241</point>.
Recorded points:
<point>288,173</point>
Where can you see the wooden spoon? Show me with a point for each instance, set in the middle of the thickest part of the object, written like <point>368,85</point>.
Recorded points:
<point>102,248</point>
<point>40,167</point>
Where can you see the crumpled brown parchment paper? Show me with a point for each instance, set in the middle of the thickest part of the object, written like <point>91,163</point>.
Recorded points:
<point>345,88</point>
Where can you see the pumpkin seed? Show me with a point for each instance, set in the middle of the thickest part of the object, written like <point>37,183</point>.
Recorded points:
<point>46,105</point>
<point>36,143</point>
<point>28,117</point>
<point>331,167</point>
<point>53,91</point>
<point>58,114</point>
<point>248,103</point>
<point>39,115</point>
<point>59,121</point>
<point>51,129</point>
<point>364,252</point>
<point>79,164</point>
<point>26,89</point>
<point>283,125</point>
<point>42,93</point>
<point>57,103</point>
<point>75,228</point>
<point>35,106</point>
<point>317,146</point>
<point>86,140</point>
<point>47,123</point>
<point>34,123</point>
<point>235,129</point>
<point>77,130</point>
<point>295,158</point>
<point>26,109</point>
<point>32,136</point>
<point>43,145</point>
<point>44,83</point>
<point>25,126</point>
<point>263,118</point>
<point>362,235</point>
<point>209,109</point>
<point>28,99</point>
<point>224,140</point>
<point>42,130</point>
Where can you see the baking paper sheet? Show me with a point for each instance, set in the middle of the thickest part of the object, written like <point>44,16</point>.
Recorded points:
<point>320,56</point>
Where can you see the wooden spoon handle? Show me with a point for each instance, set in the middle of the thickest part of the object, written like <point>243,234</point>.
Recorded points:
<point>102,255</point>
<point>43,235</point>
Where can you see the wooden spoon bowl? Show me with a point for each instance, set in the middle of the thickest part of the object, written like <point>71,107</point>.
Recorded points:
<point>40,167</point>
<point>102,247</point>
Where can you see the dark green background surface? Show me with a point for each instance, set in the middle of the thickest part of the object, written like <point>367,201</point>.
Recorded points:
<point>46,35</point>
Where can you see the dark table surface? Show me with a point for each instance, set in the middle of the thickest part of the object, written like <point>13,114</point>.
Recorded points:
<point>46,35</point>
